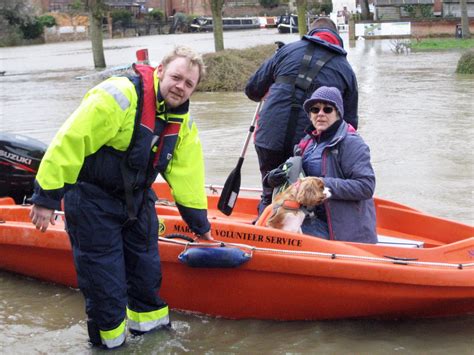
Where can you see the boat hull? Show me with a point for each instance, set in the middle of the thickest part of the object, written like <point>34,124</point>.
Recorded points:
<point>286,296</point>
<point>289,276</point>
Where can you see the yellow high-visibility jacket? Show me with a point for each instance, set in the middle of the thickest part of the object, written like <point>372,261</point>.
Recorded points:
<point>92,143</point>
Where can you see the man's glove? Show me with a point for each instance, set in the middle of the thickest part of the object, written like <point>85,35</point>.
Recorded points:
<point>276,177</point>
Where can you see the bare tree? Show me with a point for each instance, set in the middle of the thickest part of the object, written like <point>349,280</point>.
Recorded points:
<point>301,11</point>
<point>466,33</point>
<point>216,9</point>
<point>95,9</point>
<point>364,10</point>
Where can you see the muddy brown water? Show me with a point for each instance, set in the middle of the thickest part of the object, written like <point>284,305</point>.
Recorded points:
<point>416,114</point>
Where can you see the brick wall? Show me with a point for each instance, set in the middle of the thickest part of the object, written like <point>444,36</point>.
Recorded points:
<point>439,28</point>
<point>420,28</point>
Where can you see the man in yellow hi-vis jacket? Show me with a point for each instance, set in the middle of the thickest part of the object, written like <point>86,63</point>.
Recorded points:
<point>103,161</point>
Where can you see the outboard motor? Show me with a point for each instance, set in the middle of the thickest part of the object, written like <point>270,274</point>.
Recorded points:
<point>20,157</point>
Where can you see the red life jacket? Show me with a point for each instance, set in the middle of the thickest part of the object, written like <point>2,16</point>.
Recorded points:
<point>152,138</point>
<point>151,132</point>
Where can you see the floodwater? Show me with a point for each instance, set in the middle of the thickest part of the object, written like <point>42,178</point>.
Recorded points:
<point>416,114</point>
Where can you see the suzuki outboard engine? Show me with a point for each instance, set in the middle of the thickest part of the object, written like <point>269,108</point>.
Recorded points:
<point>20,157</point>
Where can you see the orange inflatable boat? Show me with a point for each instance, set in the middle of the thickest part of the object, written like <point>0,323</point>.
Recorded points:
<point>423,266</point>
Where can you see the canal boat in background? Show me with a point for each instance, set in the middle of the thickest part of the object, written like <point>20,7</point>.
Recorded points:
<point>205,24</point>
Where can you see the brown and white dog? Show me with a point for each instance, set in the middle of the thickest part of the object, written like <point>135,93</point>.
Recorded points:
<point>287,208</point>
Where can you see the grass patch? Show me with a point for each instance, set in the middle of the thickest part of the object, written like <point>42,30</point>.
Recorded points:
<point>436,44</point>
<point>229,70</point>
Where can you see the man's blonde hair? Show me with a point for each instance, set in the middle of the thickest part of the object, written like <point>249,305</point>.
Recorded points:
<point>188,53</point>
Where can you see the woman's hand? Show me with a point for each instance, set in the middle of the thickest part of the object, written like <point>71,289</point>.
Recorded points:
<point>276,177</point>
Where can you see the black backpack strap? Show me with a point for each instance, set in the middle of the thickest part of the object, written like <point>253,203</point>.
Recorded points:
<point>288,79</point>
<point>303,81</point>
<point>315,70</point>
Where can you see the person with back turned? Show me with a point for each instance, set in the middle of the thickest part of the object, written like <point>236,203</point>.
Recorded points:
<point>103,162</point>
<point>286,80</point>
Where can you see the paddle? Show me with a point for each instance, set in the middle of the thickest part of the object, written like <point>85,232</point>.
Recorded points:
<point>232,185</point>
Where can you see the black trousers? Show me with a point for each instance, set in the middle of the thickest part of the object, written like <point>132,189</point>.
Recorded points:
<point>118,266</point>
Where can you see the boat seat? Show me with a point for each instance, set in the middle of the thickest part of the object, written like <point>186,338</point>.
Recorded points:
<point>399,242</point>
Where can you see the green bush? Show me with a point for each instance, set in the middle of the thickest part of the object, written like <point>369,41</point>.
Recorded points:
<point>419,10</point>
<point>426,10</point>
<point>326,6</point>
<point>47,21</point>
<point>466,63</point>
<point>230,69</point>
<point>321,7</point>
<point>122,17</point>
<point>32,29</point>
<point>156,15</point>
<point>411,10</point>
<point>22,26</point>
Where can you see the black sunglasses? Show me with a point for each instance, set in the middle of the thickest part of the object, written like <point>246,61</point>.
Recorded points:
<point>326,109</point>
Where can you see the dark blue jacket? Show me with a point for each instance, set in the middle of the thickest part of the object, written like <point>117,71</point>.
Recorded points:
<point>273,119</point>
<point>348,173</point>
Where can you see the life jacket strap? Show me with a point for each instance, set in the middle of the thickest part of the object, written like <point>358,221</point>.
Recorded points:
<point>146,107</point>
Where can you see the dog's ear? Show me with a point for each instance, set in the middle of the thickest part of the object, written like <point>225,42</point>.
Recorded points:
<point>311,191</point>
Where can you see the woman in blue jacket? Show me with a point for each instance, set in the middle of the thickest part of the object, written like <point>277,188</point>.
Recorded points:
<point>334,151</point>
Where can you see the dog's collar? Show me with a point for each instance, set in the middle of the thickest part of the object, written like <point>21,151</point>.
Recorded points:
<point>288,205</point>
<point>291,205</point>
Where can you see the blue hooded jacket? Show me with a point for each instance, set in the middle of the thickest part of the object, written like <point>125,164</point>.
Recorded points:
<point>273,119</point>
<point>346,170</point>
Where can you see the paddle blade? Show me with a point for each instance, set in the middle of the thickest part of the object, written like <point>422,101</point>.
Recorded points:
<point>230,191</point>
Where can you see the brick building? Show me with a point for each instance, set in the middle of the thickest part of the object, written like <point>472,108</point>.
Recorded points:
<point>169,7</point>
<point>384,9</point>
<point>399,9</point>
